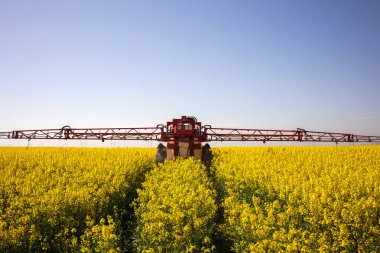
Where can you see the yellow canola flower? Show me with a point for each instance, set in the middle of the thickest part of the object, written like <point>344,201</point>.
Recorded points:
<point>300,199</point>
<point>176,209</point>
<point>275,199</point>
<point>47,193</point>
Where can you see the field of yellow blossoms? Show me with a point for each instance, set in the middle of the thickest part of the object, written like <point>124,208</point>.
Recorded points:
<point>259,199</point>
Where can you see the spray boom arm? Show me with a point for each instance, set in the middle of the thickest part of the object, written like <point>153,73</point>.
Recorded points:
<point>186,129</point>
<point>300,135</point>
<point>67,133</point>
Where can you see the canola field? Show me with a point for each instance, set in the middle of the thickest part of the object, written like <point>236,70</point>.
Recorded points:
<point>259,199</point>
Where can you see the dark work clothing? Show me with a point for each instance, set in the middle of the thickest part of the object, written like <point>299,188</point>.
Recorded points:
<point>160,156</point>
<point>207,157</point>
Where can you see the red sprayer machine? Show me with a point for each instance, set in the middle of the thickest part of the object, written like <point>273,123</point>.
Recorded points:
<point>184,136</point>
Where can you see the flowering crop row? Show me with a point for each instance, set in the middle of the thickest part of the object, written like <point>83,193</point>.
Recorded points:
<point>276,199</point>
<point>176,209</point>
<point>301,199</point>
<point>67,199</point>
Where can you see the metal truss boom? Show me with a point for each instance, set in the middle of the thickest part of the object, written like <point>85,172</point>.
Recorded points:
<point>300,135</point>
<point>67,133</point>
<point>189,130</point>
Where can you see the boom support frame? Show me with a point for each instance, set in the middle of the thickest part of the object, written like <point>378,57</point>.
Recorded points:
<point>186,130</point>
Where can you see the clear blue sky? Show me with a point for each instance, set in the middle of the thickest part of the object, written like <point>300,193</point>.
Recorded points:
<point>256,64</point>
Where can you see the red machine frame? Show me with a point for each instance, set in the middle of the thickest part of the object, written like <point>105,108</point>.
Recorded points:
<point>186,130</point>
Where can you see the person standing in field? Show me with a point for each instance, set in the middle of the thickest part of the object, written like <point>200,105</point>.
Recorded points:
<point>206,155</point>
<point>161,153</point>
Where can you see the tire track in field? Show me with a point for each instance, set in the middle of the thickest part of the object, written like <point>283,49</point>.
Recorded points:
<point>127,213</point>
<point>221,242</point>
